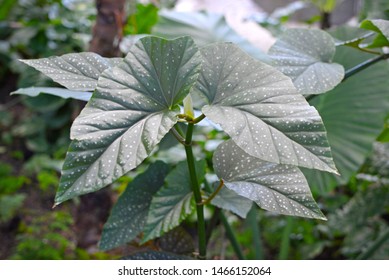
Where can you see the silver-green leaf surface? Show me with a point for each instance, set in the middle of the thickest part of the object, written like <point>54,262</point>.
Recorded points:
<point>277,188</point>
<point>129,214</point>
<point>133,107</point>
<point>60,92</point>
<point>75,71</point>
<point>174,202</point>
<point>305,55</point>
<point>261,110</point>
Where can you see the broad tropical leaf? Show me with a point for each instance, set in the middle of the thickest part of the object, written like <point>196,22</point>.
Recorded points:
<point>260,109</point>
<point>133,107</point>
<point>129,214</point>
<point>75,71</point>
<point>277,188</point>
<point>60,92</point>
<point>177,241</point>
<point>204,28</point>
<point>354,115</point>
<point>305,55</point>
<point>382,28</point>
<point>230,200</point>
<point>174,202</point>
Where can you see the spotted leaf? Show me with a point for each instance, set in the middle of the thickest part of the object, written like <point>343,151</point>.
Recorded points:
<point>305,55</point>
<point>260,109</point>
<point>60,92</point>
<point>129,214</point>
<point>133,107</point>
<point>277,188</point>
<point>174,202</point>
<point>75,71</point>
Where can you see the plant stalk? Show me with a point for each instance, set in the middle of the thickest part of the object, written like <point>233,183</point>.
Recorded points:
<point>254,225</point>
<point>196,192</point>
<point>285,242</point>
<point>231,236</point>
<point>364,65</point>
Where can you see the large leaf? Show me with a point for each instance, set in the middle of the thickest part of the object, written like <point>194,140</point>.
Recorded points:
<point>204,28</point>
<point>305,55</point>
<point>134,106</point>
<point>75,71</point>
<point>278,188</point>
<point>177,241</point>
<point>61,92</point>
<point>382,28</point>
<point>230,200</point>
<point>354,114</point>
<point>260,109</point>
<point>129,214</point>
<point>174,202</point>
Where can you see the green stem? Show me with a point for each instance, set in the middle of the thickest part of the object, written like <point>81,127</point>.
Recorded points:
<point>212,196</point>
<point>254,225</point>
<point>375,246</point>
<point>364,65</point>
<point>231,236</point>
<point>285,242</point>
<point>197,193</point>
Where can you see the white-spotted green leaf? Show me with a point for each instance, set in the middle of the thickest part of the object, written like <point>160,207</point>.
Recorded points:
<point>230,200</point>
<point>305,55</point>
<point>381,27</point>
<point>75,71</point>
<point>133,107</point>
<point>129,214</point>
<point>205,28</point>
<point>60,92</point>
<point>174,202</point>
<point>261,110</point>
<point>354,114</point>
<point>177,241</point>
<point>277,188</point>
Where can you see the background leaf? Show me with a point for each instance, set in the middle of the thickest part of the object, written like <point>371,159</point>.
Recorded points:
<point>260,109</point>
<point>132,109</point>
<point>75,71</point>
<point>354,114</point>
<point>305,55</point>
<point>174,202</point>
<point>230,200</point>
<point>177,241</point>
<point>129,214</point>
<point>382,28</point>
<point>61,92</point>
<point>277,188</point>
<point>205,28</point>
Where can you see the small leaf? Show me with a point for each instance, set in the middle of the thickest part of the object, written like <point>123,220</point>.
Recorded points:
<point>230,200</point>
<point>277,188</point>
<point>133,107</point>
<point>129,214</point>
<point>155,255</point>
<point>174,202</point>
<point>177,241</point>
<point>381,27</point>
<point>61,92</point>
<point>260,109</point>
<point>75,71</point>
<point>305,55</point>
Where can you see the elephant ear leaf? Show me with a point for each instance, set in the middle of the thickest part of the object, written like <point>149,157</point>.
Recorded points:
<point>133,107</point>
<point>305,55</point>
<point>261,110</point>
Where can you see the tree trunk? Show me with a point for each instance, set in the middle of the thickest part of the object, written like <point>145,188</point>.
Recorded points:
<point>108,30</point>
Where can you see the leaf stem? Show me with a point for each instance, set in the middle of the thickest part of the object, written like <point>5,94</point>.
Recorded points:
<point>285,242</point>
<point>254,225</point>
<point>364,65</point>
<point>209,199</point>
<point>178,136</point>
<point>196,192</point>
<point>231,236</point>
